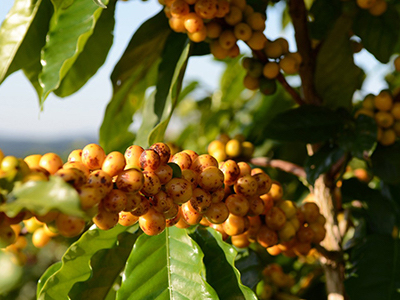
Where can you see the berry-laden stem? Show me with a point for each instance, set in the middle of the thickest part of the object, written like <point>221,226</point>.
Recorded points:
<point>283,165</point>
<point>282,80</point>
<point>298,14</point>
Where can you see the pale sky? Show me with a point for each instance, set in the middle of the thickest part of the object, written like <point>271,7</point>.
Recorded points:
<point>81,114</point>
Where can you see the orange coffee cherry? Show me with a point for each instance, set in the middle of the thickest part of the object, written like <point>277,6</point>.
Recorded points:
<point>179,189</point>
<point>69,226</point>
<point>237,205</point>
<point>217,213</point>
<point>152,223</point>
<point>163,151</point>
<point>189,214</point>
<point>275,218</point>
<point>211,179</point>
<point>130,181</point>
<point>182,159</point>
<point>114,163</point>
<point>246,185</point>
<point>132,156</point>
<point>235,225</point>
<point>267,237</point>
<point>200,200</point>
<point>127,219</point>
<point>50,162</point>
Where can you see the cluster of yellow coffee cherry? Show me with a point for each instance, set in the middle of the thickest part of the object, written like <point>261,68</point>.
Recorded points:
<point>226,148</point>
<point>265,68</point>
<point>275,284</point>
<point>219,22</point>
<point>386,113</point>
<point>375,7</point>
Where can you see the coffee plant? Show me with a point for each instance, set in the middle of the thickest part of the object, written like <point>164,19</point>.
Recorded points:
<point>283,183</point>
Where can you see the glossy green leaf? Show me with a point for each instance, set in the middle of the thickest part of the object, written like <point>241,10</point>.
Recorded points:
<point>219,259</point>
<point>336,75</point>
<point>133,74</point>
<point>307,123</point>
<point>231,82</point>
<point>176,170</point>
<point>374,271</point>
<point>157,134</point>
<point>359,137</point>
<point>250,266</point>
<point>46,275</point>
<point>76,261</point>
<point>93,54</point>
<point>107,265</point>
<point>379,35</point>
<point>324,14</point>
<point>386,163</point>
<point>42,196</point>
<point>377,209</point>
<point>166,266</point>
<point>71,26</point>
<point>13,31</point>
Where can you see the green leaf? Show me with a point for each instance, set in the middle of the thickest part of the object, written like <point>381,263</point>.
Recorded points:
<point>250,266</point>
<point>107,265</point>
<point>76,262</point>
<point>307,123</point>
<point>359,137</point>
<point>46,275</point>
<point>166,266</point>
<point>71,26</point>
<point>93,54</point>
<point>322,161</point>
<point>336,75</point>
<point>324,14</point>
<point>231,82</point>
<point>133,74</point>
<point>176,170</point>
<point>386,163</point>
<point>378,211</point>
<point>375,269</point>
<point>11,273</point>
<point>43,196</point>
<point>219,259</point>
<point>13,31</point>
<point>157,134</point>
<point>379,35</point>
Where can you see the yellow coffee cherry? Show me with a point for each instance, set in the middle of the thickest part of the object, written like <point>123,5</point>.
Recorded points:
<point>193,22</point>
<point>77,165</point>
<point>217,213</point>
<point>152,222</point>
<point>233,148</point>
<point>89,196</point>
<point>198,36</point>
<point>75,155</point>
<point>289,208</point>
<point>127,219</point>
<point>273,49</point>
<point>163,151</point>
<point>383,101</point>
<point>242,31</point>
<point>215,145</point>
<point>177,24</point>
<point>214,29</point>
<point>32,224</point>
<point>161,202</point>
<point>395,111</point>
<point>227,39</point>
<point>231,172</point>
<point>191,176</point>
<point>284,44</point>
<point>271,70</point>
<point>69,226</point>
<point>164,173</point>
<point>31,160</point>
<point>244,168</point>
<point>182,159</point>
<point>368,102</point>
<point>384,119</point>
<point>264,183</point>
<point>241,4</point>
<point>150,160</point>
<point>179,189</point>
<point>247,149</point>
<point>179,8</point>
<point>388,137</point>
<point>93,156</point>
<point>206,9</point>
<point>2,156</point>
<point>130,181</point>
<point>235,225</point>
<point>234,16</point>
<point>40,238</point>
<point>152,184</point>
<point>246,185</point>
<point>100,180</point>
<point>51,162</point>
<point>114,163</point>
<point>203,161</point>
<point>248,10</point>
<point>217,51</point>
<point>200,200</point>
<point>132,201</point>
<point>256,21</point>
<point>257,40</point>
<point>132,156</point>
<point>223,7</point>
<point>105,220</point>
<point>289,65</point>
<point>211,179</point>
<point>72,176</point>
<point>287,232</point>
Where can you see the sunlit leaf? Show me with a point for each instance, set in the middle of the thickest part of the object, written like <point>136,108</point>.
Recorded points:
<point>219,259</point>
<point>70,28</point>
<point>76,262</point>
<point>166,266</point>
<point>43,196</point>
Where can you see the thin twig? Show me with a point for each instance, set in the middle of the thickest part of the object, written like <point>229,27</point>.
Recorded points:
<point>283,165</point>
<point>298,14</point>
<point>331,256</point>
